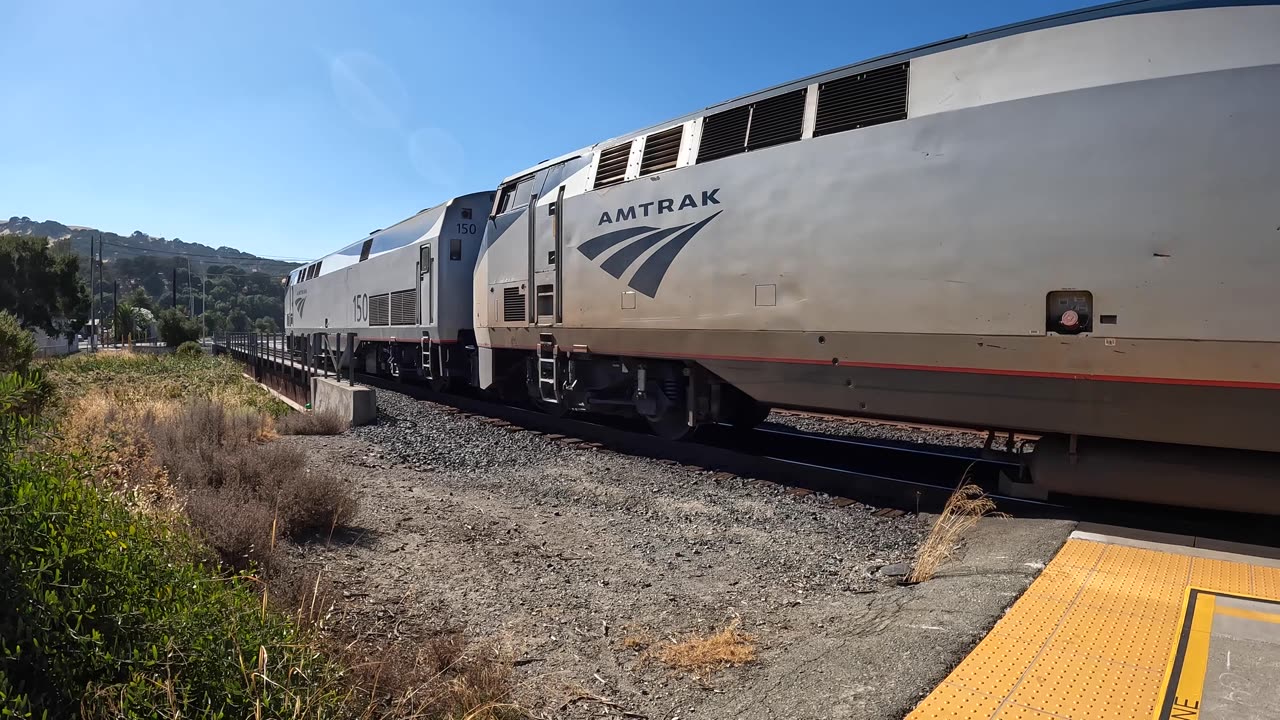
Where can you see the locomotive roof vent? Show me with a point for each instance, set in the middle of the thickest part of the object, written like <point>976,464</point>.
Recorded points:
<point>869,98</point>
<point>661,150</point>
<point>777,120</point>
<point>613,165</point>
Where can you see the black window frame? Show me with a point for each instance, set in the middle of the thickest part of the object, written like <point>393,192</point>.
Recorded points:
<point>365,248</point>
<point>455,248</point>
<point>509,192</point>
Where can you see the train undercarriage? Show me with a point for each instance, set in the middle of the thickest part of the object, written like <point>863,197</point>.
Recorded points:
<point>676,397</point>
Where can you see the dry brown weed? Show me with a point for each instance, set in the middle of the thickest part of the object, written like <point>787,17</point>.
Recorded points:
<point>702,654</point>
<point>967,505</point>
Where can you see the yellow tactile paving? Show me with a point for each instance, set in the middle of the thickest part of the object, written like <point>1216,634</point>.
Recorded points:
<point>1092,637</point>
<point>1229,577</point>
<point>1266,583</point>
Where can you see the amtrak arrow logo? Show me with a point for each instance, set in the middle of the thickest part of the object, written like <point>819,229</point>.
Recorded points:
<point>298,303</point>
<point>646,279</point>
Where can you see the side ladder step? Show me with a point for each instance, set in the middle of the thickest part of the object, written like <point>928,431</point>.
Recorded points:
<point>425,360</point>
<point>548,369</point>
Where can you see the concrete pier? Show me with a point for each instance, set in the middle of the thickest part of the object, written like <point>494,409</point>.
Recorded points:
<point>356,404</point>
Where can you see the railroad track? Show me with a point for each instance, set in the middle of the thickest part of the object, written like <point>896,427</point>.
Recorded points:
<point>893,476</point>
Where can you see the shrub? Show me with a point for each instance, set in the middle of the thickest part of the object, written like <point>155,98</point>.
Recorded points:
<point>190,348</point>
<point>237,485</point>
<point>310,502</point>
<point>104,613</point>
<point>17,344</point>
<point>22,395</point>
<point>311,423</point>
<point>237,526</point>
<point>176,328</point>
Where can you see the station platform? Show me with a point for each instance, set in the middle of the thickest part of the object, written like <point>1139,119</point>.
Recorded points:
<point>1127,629</point>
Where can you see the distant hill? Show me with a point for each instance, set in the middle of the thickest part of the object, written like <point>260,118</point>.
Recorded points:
<point>139,243</point>
<point>236,290</point>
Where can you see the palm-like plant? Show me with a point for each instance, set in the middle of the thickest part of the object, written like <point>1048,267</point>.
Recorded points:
<point>123,322</point>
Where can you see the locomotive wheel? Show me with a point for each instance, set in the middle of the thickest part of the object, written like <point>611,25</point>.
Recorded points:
<point>441,384</point>
<point>671,425</point>
<point>556,410</point>
<point>749,415</point>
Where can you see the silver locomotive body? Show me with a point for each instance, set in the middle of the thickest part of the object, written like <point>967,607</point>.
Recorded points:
<point>1063,227</point>
<point>404,292</point>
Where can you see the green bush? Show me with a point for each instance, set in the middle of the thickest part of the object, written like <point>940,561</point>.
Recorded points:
<point>17,344</point>
<point>190,348</point>
<point>104,613</point>
<point>22,396</point>
<point>176,328</point>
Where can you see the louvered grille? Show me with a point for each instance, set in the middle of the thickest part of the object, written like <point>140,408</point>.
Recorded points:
<point>724,134</point>
<point>868,98</point>
<point>777,120</point>
<point>379,310</point>
<point>661,149</point>
<point>613,165</point>
<point>512,304</point>
<point>404,307</point>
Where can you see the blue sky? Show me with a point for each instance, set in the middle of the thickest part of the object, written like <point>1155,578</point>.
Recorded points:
<point>290,128</point>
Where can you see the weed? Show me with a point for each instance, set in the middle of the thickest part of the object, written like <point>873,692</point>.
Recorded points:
<point>702,654</point>
<point>967,505</point>
<point>312,423</point>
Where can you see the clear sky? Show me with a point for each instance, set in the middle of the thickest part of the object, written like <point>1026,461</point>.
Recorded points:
<point>293,127</point>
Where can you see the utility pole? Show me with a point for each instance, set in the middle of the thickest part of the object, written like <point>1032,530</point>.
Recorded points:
<point>93,303</point>
<point>101,303</point>
<point>115,306</point>
<point>204,299</point>
<point>191,292</point>
<point>173,289</point>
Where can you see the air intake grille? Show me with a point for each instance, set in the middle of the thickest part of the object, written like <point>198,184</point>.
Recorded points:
<point>613,165</point>
<point>724,134</point>
<point>512,304</point>
<point>868,98</point>
<point>379,310</point>
<point>661,149</point>
<point>404,307</point>
<point>777,120</point>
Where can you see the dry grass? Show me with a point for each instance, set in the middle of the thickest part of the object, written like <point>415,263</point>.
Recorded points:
<point>702,654</point>
<point>443,677</point>
<point>967,505</point>
<point>240,491</point>
<point>311,423</point>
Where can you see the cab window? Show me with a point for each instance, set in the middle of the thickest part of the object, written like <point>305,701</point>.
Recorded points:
<point>515,195</point>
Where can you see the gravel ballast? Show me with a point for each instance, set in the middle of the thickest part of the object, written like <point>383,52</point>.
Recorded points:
<point>562,551</point>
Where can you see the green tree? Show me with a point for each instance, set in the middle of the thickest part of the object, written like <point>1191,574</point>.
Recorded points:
<point>124,322</point>
<point>176,328</point>
<point>265,325</point>
<point>139,298</point>
<point>239,320</point>
<point>17,346</point>
<point>215,322</point>
<point>40,287</point>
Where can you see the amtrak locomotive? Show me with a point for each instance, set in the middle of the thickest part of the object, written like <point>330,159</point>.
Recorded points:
<point>1069,226</point>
